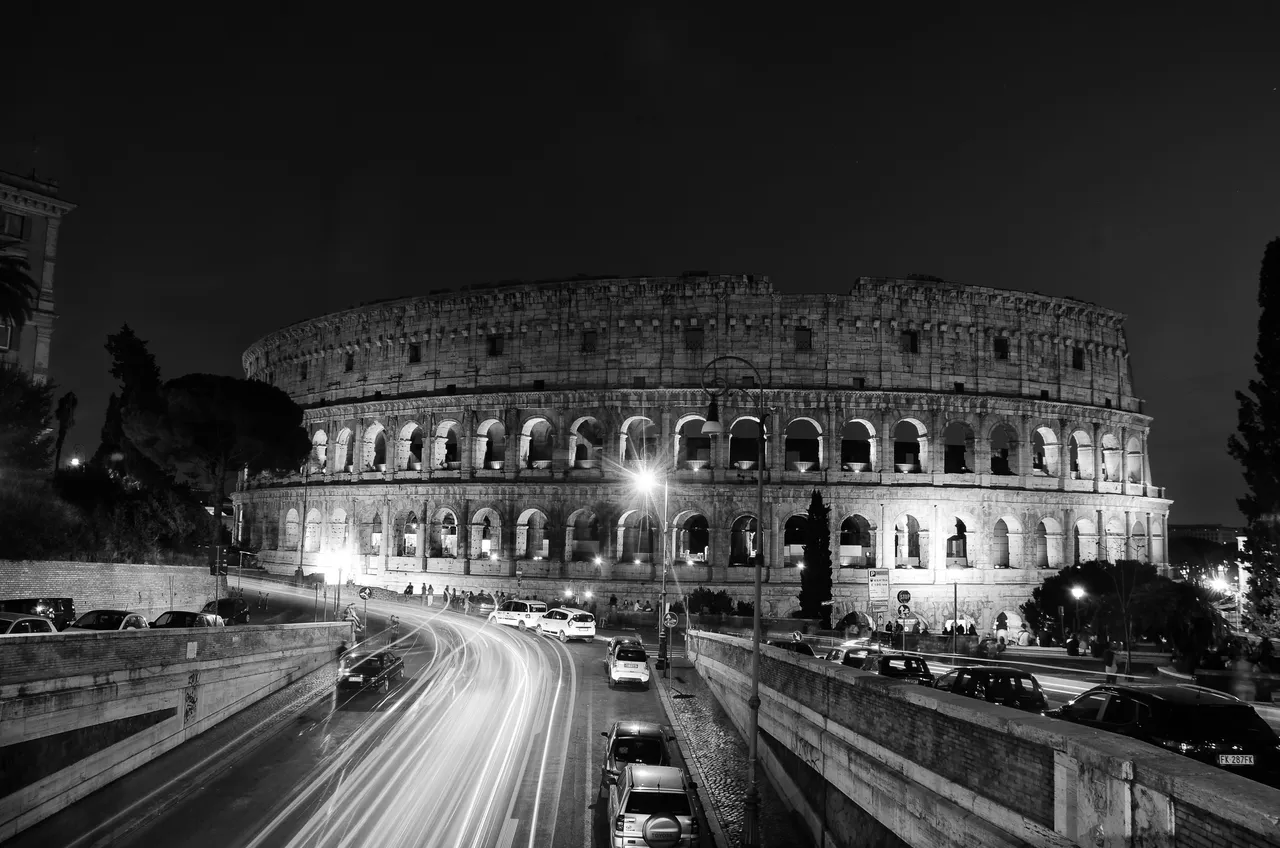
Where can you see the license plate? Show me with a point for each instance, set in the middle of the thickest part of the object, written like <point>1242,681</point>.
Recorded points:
<point>1235,759</point>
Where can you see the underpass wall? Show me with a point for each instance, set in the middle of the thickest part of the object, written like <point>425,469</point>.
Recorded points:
<point>147,589</point>
<point>939,770</point>
<point>78,710</point>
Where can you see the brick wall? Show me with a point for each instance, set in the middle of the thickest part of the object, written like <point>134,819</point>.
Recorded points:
<point>147,589</point>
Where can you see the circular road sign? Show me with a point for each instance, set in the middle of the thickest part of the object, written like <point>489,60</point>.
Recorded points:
<point>365,593</point>
<point>670,620</point>
<point>904,597</point>
<point>903,610</point>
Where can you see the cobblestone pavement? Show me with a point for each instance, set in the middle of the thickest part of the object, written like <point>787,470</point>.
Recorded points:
<point>721,755</point>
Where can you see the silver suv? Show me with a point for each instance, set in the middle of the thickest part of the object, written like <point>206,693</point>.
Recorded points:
<point>652,805</point>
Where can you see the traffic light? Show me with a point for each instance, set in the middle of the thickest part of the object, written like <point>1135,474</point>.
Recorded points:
<point>219,568</point>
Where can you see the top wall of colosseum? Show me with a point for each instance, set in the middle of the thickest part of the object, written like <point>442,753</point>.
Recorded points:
<point>884,334</point>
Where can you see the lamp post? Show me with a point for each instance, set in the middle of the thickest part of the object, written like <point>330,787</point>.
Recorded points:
<point>718,388</point>
<point>1077,593</point>
<point>647,482</point>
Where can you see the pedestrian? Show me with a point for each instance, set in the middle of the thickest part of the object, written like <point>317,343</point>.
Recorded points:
<point>430,593</point>
<point>423,594</point>
<point>613,603</point>
<point>973,629</point>
<point>466,603</point>
<point>408,590</point>
<point>1109,661</point>
<point>448,599</point>
<point>1024,637</point>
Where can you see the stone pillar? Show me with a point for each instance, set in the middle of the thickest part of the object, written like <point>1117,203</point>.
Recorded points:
<point>980,447</point>
<point>884,547</point>
<point>886,447</point>
<point>1068,536</point>
<point>388,531</point>
<point>1095,450</point>
<point>481,445</point>
<point>1150,557</point>
<point>466,436</point>
<point>357,446</point>
<point>1124,461</point>
<point>1103,546</point>
<point>1017,552</point>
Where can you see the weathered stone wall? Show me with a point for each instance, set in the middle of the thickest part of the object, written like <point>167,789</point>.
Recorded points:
<point>146,589</point>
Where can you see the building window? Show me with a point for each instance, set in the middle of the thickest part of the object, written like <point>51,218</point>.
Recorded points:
<point>350,364</point>
<point>909,342</point>
<point>495,345</point>
<point>858,383</point>
<point>1002,348</point>
<point>1077,358</point>
<point>1044,394</point>
<point>589,341</point>
<point>959,387</point>
<point>637,382</point>
<point>693,338</point>
<point>415,352</point>
<point>14,225</point>
<point>6,335</point>
<point>804,338</point>
<point>302,371</point>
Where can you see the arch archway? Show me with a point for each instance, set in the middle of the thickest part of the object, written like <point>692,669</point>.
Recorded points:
<point>1000,554</point>
<point>375,448</point>
<point>311,532</point>
<point>638,536</point>
<point>1046,455</point>
<point>537,442</point>
<point>803,445</point>
<point>586,442</point>
<point>446,449</point>
<point>486,534</point>
<point>342,460</point>
<point>639,440</point>
<point>291,530</point>
<point>406,535</point>
<point>744,450</point>
<point>319,452</point>
<point>794,532</point>
<point>1111,453</point>
<point>744,540</point>
<point>693,537</point>
<point>583,536</point>
<point>491,444</point>
<point>1133,460</point>
<point>857,543</point>
<point>533,535</point>
<point>338,533</point>
<point>906,542</point>
<point>692,449</point>
<point>958,444</point>
<point>858,446</point>
<point>1080,452</point>
<point>443,540</point>
<point>409,447</point>
<point>1086,540</point>
<point>910,447</point>
<point>371,533</point>
<point>1004,450</point>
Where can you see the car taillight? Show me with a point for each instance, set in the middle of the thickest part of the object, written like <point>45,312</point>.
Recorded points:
<point>618,823</point>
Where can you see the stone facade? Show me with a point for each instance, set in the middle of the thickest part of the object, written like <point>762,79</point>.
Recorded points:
<point>30,215</point>
<point>961,435</point>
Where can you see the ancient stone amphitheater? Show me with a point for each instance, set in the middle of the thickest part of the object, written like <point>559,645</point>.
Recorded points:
<point>491,438</point>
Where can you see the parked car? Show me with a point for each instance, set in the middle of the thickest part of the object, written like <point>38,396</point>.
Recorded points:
<point>793,646</point>
<point>361,670</point>
<point>626,661</point>
<point>850,656</point>
<point>567,623</point>
<point>232,610</point>
<point>633,742</point>
<point>997,685</point>
<point>184,618</point>
<point>61,611</point>
<point>654,804</point>
<point>108,620</point>
<point>521,614</point>
<point>900,666</point>
<point>17,624</point>
<point>1204,724</point>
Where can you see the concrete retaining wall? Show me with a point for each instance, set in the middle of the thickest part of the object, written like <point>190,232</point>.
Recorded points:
<point>78,710</point>
<point>147,589</point>
<point>943,771</point>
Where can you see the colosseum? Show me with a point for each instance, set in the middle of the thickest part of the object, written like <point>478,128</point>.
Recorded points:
<point>490,438</point>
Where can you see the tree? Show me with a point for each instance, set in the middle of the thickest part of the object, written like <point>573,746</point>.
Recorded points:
<point>716,603</point>
<point>1094,577</point>
<point>18,292</point>
<point>1257,444</point>
<point>66,415</point>
<point>815,579</point>
<point>218,425</point>
<point>1200,559</point>
<point>134,366</point>
<point>26,437</point>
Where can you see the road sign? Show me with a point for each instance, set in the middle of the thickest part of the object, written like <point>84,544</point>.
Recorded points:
<point>878,584</point>
<point>903,610</point>
<point>366,593</point>
<point>904,597</point>
<point>670,620</point>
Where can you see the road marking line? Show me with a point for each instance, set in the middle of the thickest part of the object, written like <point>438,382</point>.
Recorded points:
<point>508,833</point>
<point>588,811</point>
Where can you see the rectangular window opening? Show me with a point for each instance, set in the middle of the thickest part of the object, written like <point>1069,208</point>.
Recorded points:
<point>539,385</point>
<point>590,339</point>
<point>14,225</point>
<point>350,364</point>
<point>959,387</point>
<point>302,371</point>
<point>6,335</point>
<point>909,342</point>
<point>804,338</point>
<point>1002,348</point>
<point>1044,394</point>
<point>637,382</point>
<point>859,382</point>
<point>1077,358</point>
<point>415,353</point>
<point>693,338</point>
<point>495,345</point>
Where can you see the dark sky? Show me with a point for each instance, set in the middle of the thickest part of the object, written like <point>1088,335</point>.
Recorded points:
<point>235,175</point>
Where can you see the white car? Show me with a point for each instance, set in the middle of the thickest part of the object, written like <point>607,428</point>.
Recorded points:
<point>519,614</point>
<point>108,620</point>
<point>627,662</point>
<point>16,624</point>
<point>568,624</point>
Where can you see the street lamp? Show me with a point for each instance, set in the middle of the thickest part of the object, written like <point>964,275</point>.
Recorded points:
<point>647,482</point>
<point>718,388</point>
<point>1077,592</point>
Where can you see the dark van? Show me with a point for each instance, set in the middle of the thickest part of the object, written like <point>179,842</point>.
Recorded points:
<point>61,611</point>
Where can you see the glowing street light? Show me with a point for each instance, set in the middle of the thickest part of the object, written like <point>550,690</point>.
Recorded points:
<point>1077,592</point>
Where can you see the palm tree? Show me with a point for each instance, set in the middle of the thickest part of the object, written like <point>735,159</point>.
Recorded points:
<point>18,292</point>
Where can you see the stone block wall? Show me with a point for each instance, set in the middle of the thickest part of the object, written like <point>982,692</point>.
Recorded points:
<point>146,589</point>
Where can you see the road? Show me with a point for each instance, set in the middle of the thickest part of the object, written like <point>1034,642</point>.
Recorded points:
<point>491,741</point>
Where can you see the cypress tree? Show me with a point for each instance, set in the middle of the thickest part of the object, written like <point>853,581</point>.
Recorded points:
<point>1257,444</point>
<point>815,580</point>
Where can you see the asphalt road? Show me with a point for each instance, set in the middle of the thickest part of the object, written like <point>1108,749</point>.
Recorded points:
<point>492,740</point>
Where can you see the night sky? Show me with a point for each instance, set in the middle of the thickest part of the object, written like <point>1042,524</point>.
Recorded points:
<point>237,175</point>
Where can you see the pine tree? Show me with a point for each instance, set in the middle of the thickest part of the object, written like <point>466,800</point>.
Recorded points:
<point>815,580</point>
<point>1257,445</point>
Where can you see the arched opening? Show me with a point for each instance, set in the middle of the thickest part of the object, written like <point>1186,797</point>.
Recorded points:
<point>693,538</point>
<point>371,533</point>
<point>638,536</point>
<point>409,452</point>
<point>271,528</point>
<point>537,439</point>
<point>793,538</point>
<point>1045,453</point>
<point>803,445</point>
<point>533,537</point>
<point>444,534</point>
<point>1112,542</point>
<point>342,451</point>
<point>338,530</point>
<point>693,450</point>
<point>906,542</point>
<point>583,542</point>
<point>639,442</point>
<point>586,443</point>
<point>406,535</point>
<point>1086,541</point>
<point>1133,460</point>
<point>1040,554</point>
<point>744,445</point>
<point>1080,453</point>
<point>291,530</point>
<point>958,546</point>
<point>311,532</point>
<point>908,447</point>
<point>486,535</point>
<point>1138,543</point>
<point>375,448</point>
<point>491,444</point>
<point>1110,458</point>
<point>857,446</point>
<point>857,544</point>
<point>1004,450</point>
<point>1000,545</point>
<point>319,450</point>
<point>958,448</point>
<point>446,451</point>
<point>744,541</point>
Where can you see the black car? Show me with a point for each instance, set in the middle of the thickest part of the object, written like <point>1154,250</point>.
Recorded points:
<point>633,742</point>
<point>361,670</point>
<point>1010,687</point>
<point>232,610</point>
<point>900,666</point>
<point>184,618</point>
<point>793,646</point>
<point>1204,724</point>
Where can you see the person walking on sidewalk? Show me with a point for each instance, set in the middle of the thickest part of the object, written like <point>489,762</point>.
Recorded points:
<point>1109,660</point>
<point>430,593</point>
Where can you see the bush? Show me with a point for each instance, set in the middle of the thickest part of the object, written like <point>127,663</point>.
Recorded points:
<point>745,609</point>
<point>716,603</point>
<point>38,524</point>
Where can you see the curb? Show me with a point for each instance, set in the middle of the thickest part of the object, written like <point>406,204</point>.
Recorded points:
<point>713,820</point>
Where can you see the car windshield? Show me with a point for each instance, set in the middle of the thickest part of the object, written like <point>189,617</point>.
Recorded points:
<point>537,607</point>
<point>101,620</point>
<point>638,749</point>
<point>654,803</point>
<point>632,655</point>
<point>584,617</point>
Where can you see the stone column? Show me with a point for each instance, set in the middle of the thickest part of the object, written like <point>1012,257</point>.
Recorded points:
<point>1150,557</point>
<point>466,437</point>
<point>980,448</point>
<point>357,446</point>
<point>388,529</point>
<point>1068,536</point>
<point>1128,534</point>
<point>886,447</point>
<point>1095,450</point>
<point>1124,461</point>
<point>884,548</point>
<point>1102,545</point>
